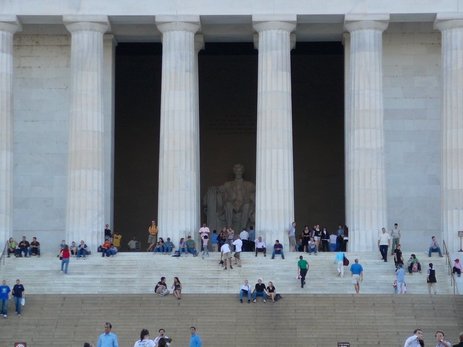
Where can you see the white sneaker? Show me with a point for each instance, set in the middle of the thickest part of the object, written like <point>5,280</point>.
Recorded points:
<point>265,300</point>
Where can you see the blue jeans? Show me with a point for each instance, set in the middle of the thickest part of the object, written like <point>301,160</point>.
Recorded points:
<point>4,306</point>
<point>256,294</point>
<point>64,265</point>
<point>159,249</point>
<point>24,250</point>
<point>278,252</point>
<point>192,251</point>
<point>243,293</point>
<point>167,249</point>
<point>312,250</point>
<point>437,249</point>
<point>81,253</point>
<point>17,301</point>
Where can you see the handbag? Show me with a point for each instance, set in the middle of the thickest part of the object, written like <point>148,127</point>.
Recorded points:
<point>23,301</point>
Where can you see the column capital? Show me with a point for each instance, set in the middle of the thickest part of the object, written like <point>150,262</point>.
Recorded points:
<point>10,23</point>
<point>354,22</point>
<point>86,23</point>
<point>274,22</point>
<point>199,42</point>
<point>178,23</point>
<point>445,21</point>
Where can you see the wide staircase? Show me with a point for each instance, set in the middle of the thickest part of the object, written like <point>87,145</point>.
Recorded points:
<point>67,310</point>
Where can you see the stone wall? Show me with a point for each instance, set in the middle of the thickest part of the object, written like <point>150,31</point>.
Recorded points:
<point>412,124</point>
<point>41,91</point>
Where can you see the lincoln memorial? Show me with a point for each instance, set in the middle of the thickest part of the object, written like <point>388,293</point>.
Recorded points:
<point>123,112</point>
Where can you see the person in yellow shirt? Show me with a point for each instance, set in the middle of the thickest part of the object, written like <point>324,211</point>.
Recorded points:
<point>152,235</point>
<point>117,237</point>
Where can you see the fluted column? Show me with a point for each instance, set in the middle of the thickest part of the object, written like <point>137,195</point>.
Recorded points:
<point>274,167</point>
<point>8,26</point>
<point>86,166</point>
<point>451,27</point>
<point>366,210</point>
<point>179,198</point>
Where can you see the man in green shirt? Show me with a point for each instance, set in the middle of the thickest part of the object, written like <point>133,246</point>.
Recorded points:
<point>303,267</point>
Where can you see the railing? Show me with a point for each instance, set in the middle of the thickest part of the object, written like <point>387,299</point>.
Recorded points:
<point>450,269</point>
<point>3,255</point>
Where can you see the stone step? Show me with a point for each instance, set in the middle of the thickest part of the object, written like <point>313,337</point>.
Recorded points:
<point>296,320</point>
<point>137,273</point>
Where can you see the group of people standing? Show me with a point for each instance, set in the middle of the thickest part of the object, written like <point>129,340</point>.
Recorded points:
<point>109,339</point>
<point>417,339</point>
<point>318,239</point>
<point>17,294</point>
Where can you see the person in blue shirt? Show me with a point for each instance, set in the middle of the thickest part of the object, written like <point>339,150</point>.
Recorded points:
<point>4,295</point>
<point>108,338</point>
<point>400,274</point>
<point>195,340</point>
<point>357,275</point>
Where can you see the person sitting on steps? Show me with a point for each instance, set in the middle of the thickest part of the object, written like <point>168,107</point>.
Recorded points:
<point>259,290</point>
<point>260,246</point>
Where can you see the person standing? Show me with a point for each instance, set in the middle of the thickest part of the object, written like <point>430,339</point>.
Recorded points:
<point>461,341</point>
<point>395,235</point>
<point>339,260</point>
<point>416,340</point>
<point>4,296</point>
<point>357,275</point>
<point>325,239</point>
<point>225,255</point>
<point>195,339</point>
<point>65,255</point>
<point>384,242</point>
<point>440,339</point>
<point>145,340</point>
<point>303,267</point>
<point>292,237</point>
<point>162,335</point>
<point>18,295</point>
<point>431,279</point>
<point>238,243</point>
<point>152,235</point>
<point>400,275</point>
<point>108,338</point>
<point>107,232</point>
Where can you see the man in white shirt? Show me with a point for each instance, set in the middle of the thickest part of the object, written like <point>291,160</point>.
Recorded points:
<point>384,242</point>
<point>245,290</point>
<point>238,243</point>
<point>260,246</point>
<point>244,235</point>
<point>292,237</point>
<point>414,340</point>
<point>162,334</point>
<point>225,255</point>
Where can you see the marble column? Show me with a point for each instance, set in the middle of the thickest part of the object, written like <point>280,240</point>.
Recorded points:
<point>274,167</point>
<point>366,209</point>
<point>86,165</point>
<point>451,27</point>
<point>179,195</point>
<point>8,26</point>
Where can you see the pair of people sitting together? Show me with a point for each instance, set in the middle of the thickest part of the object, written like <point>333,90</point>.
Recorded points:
<point>260,290</point>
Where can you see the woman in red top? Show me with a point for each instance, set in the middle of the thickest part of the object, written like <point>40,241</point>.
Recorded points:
<point>64,256</point>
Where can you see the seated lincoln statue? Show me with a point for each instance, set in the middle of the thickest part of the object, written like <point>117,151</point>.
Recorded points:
<point>232,204</point>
